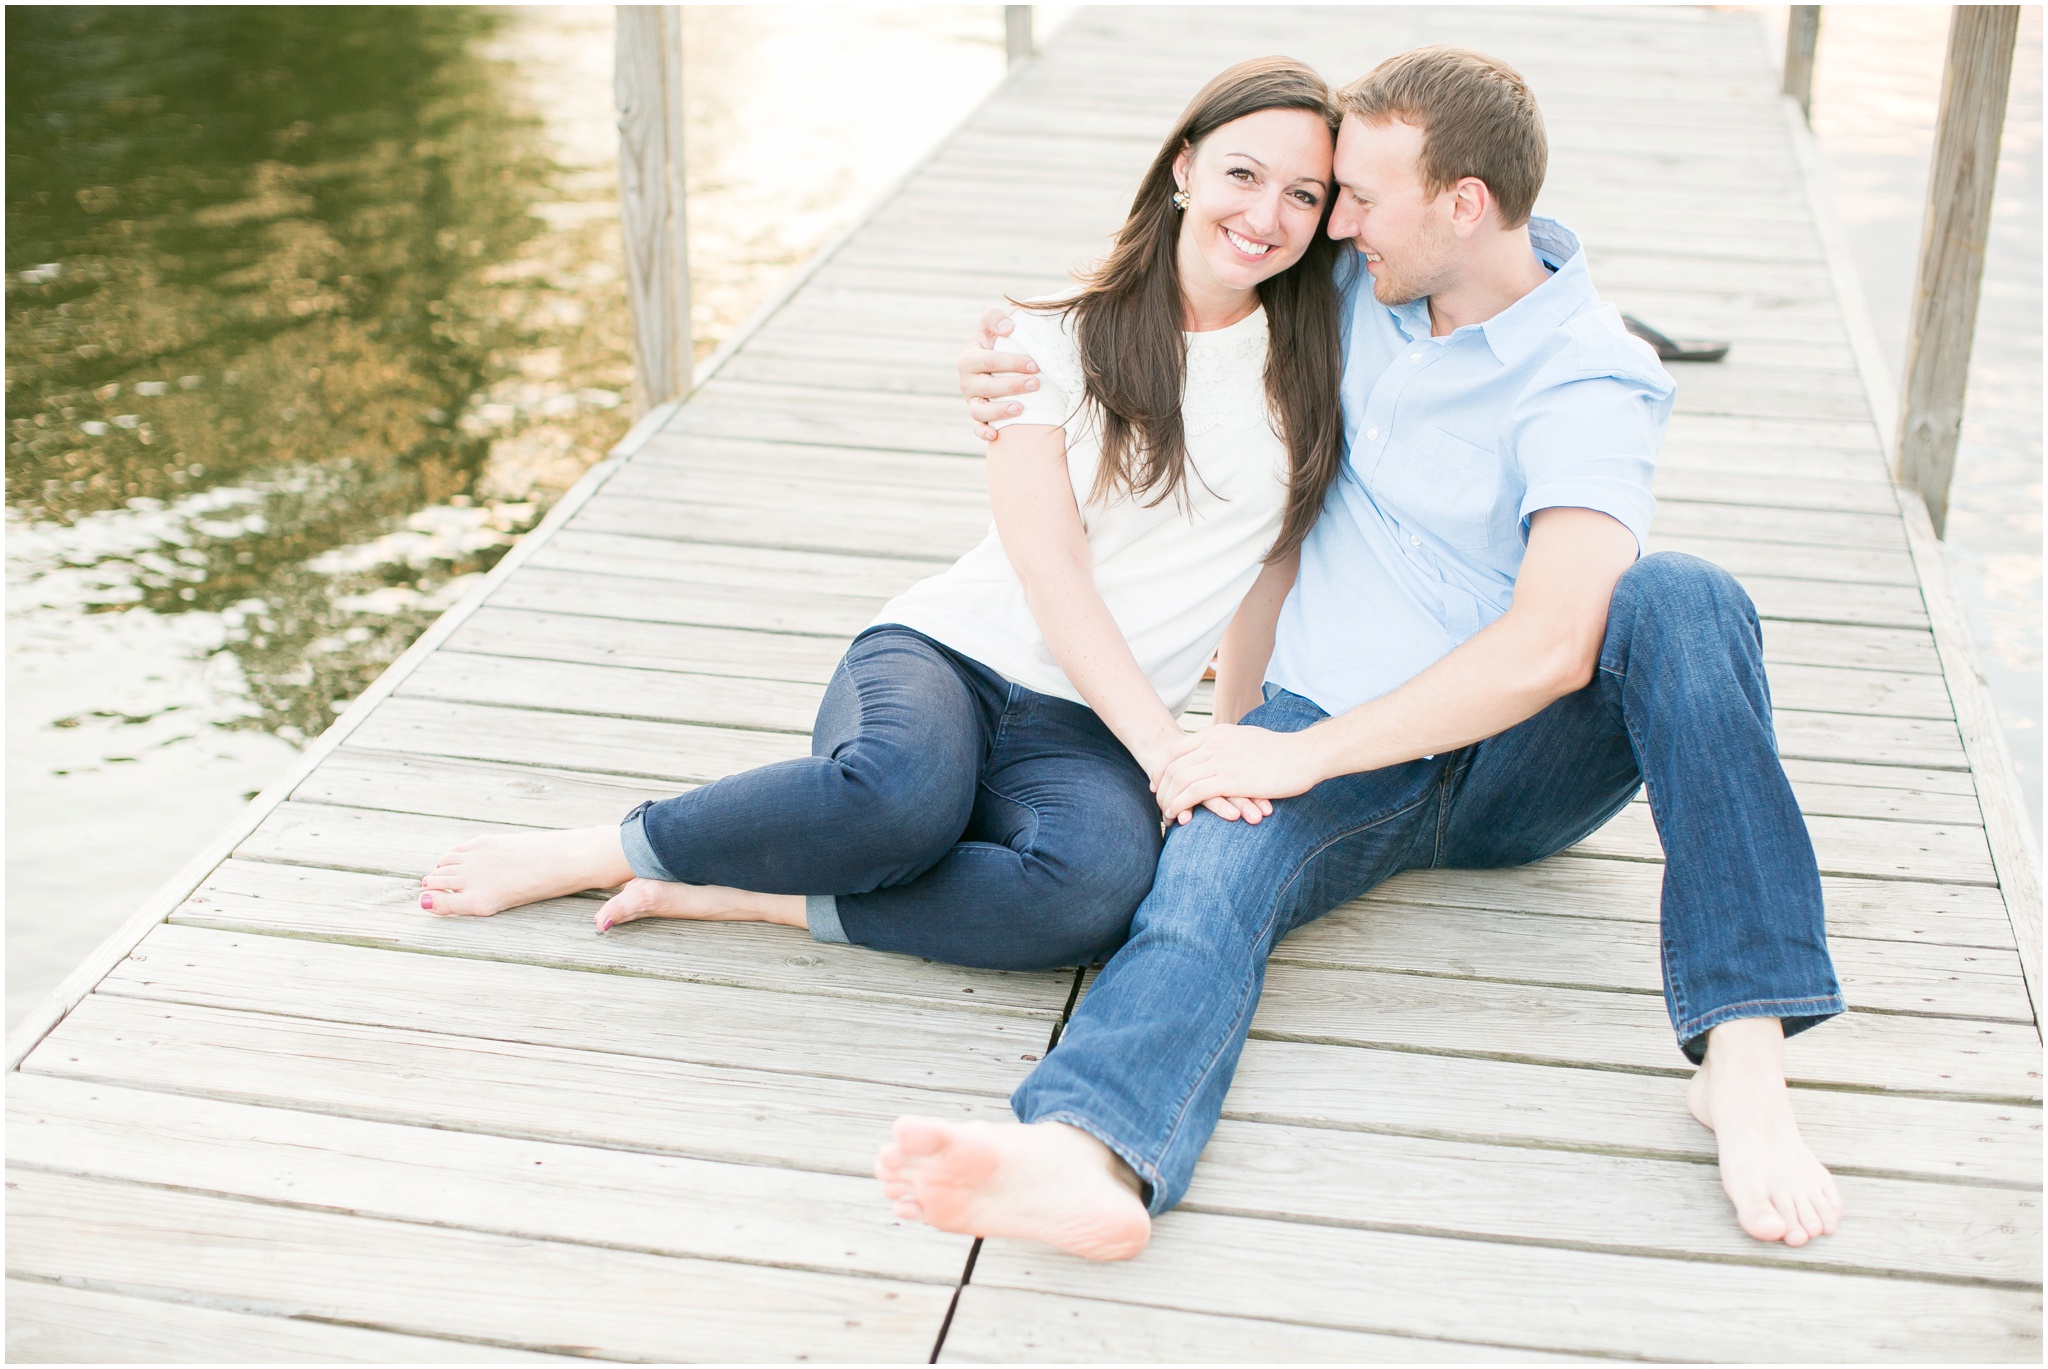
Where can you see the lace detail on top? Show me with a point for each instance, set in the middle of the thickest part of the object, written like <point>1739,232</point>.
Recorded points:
<point>1227,379</point>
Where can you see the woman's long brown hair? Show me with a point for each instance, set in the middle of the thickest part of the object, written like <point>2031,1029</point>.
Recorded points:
<point>1128,321</point>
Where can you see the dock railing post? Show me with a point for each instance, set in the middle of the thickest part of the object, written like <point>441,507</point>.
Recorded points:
<point>1016,33</point>
<point>647,82</point>
<point>1802,36</point>
<point>1952,238</point>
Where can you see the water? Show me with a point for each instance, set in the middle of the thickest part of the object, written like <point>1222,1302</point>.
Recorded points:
<point>310,312</point>
<point>1877,90</point>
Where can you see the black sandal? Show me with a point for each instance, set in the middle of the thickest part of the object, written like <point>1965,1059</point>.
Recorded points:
<point>1675,349</point>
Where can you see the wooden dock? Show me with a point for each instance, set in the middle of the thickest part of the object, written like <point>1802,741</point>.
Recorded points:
<point>287,1116</point>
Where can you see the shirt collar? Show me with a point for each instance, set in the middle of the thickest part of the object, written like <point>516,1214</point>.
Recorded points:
<point>1518,330</point>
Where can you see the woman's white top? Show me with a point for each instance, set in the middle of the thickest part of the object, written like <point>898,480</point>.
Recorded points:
<point>1172,574</point>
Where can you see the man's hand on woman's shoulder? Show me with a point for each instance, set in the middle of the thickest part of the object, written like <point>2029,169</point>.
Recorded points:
<point>989,377</point>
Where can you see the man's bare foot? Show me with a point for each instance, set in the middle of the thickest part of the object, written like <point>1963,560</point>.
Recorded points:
<point>1780,1191</point>
<point>698,903</point>
<point>487,875</point>
<point>1045,1182</point>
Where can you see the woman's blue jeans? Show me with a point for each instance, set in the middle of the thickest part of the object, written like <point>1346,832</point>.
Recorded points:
<point>943,811</point>
<point>1678,702</point>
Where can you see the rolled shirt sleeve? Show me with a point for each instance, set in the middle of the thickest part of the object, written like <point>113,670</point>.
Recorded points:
<point>1590,442</point>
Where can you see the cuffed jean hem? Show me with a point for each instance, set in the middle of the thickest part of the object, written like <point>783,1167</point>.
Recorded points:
<point>640,857</point>
<point>821,915</point>
<point>1797,1014</point>
<point>1148,1173</point>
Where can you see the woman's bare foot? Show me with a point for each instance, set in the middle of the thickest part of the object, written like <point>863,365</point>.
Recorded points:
<point>698,903</point>
<point>487,875</point>
<point>1780,1191</point>
<point>1045,1182</point>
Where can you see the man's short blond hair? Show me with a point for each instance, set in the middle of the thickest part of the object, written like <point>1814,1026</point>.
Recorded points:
<point>1477,119</point>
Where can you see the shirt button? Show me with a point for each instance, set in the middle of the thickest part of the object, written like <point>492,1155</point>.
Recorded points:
<point>1414,541</point>
<point>1372,434</point>
<point>1415,356</point>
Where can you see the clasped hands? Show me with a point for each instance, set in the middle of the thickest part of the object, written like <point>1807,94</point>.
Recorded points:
<point>1235,772</point>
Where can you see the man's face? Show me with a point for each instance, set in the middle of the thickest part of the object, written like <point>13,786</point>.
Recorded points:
<point>1382,206</point>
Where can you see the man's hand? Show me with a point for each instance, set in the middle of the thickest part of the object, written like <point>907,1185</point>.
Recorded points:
<point>1229,807</point>
<point>987,376</point>
<point>1241,764</point>
<point>1547,645</point>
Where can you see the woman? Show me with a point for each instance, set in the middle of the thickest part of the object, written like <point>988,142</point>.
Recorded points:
<point>980,785</point>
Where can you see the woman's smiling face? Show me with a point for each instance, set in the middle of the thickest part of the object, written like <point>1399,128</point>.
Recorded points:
<point>1256,188</point>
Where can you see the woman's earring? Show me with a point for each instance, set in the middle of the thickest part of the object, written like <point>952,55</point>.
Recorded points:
<point>1180,199</point>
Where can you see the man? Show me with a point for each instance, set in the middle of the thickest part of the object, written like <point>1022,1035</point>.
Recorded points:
<point>1476,667</point>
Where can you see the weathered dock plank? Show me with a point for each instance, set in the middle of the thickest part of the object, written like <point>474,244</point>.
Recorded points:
<point>1541,1298</point>
<point>1590,1028</point>
<point>50,1323</point>
<point>1598,951</point>
<point>1009,1325</point>
<point>623,1199</point>
<point>1511,1102</point>
<point>1548,1298</point>
<point>577,1095</point>
<point>1958,914</point>
<point>705,1024</point>
<point>460,1283</point>
<point>1599,1202</point>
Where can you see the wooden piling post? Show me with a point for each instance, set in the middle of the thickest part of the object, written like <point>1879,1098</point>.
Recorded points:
<point>1802,36</point>
<point>1952,237</point>
<point>1016,33</point>
<point>647,83</point>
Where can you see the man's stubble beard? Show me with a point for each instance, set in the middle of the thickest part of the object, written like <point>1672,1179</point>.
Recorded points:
<point>1429,270</point>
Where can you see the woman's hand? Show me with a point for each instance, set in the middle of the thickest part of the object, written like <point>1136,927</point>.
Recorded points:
<point>1226,761</point>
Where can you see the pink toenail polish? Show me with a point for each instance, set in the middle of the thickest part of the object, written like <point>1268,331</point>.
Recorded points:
<point>427,902</point>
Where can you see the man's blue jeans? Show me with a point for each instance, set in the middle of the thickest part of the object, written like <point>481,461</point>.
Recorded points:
<point>1678,703</point>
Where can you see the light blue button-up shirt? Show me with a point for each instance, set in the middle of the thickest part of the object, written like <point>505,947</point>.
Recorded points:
<point>1451,443</point>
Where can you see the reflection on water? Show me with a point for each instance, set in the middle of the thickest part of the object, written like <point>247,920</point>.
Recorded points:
<point>255,295</point>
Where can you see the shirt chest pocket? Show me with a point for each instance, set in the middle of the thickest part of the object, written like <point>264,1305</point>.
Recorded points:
<point>1443,485</point>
